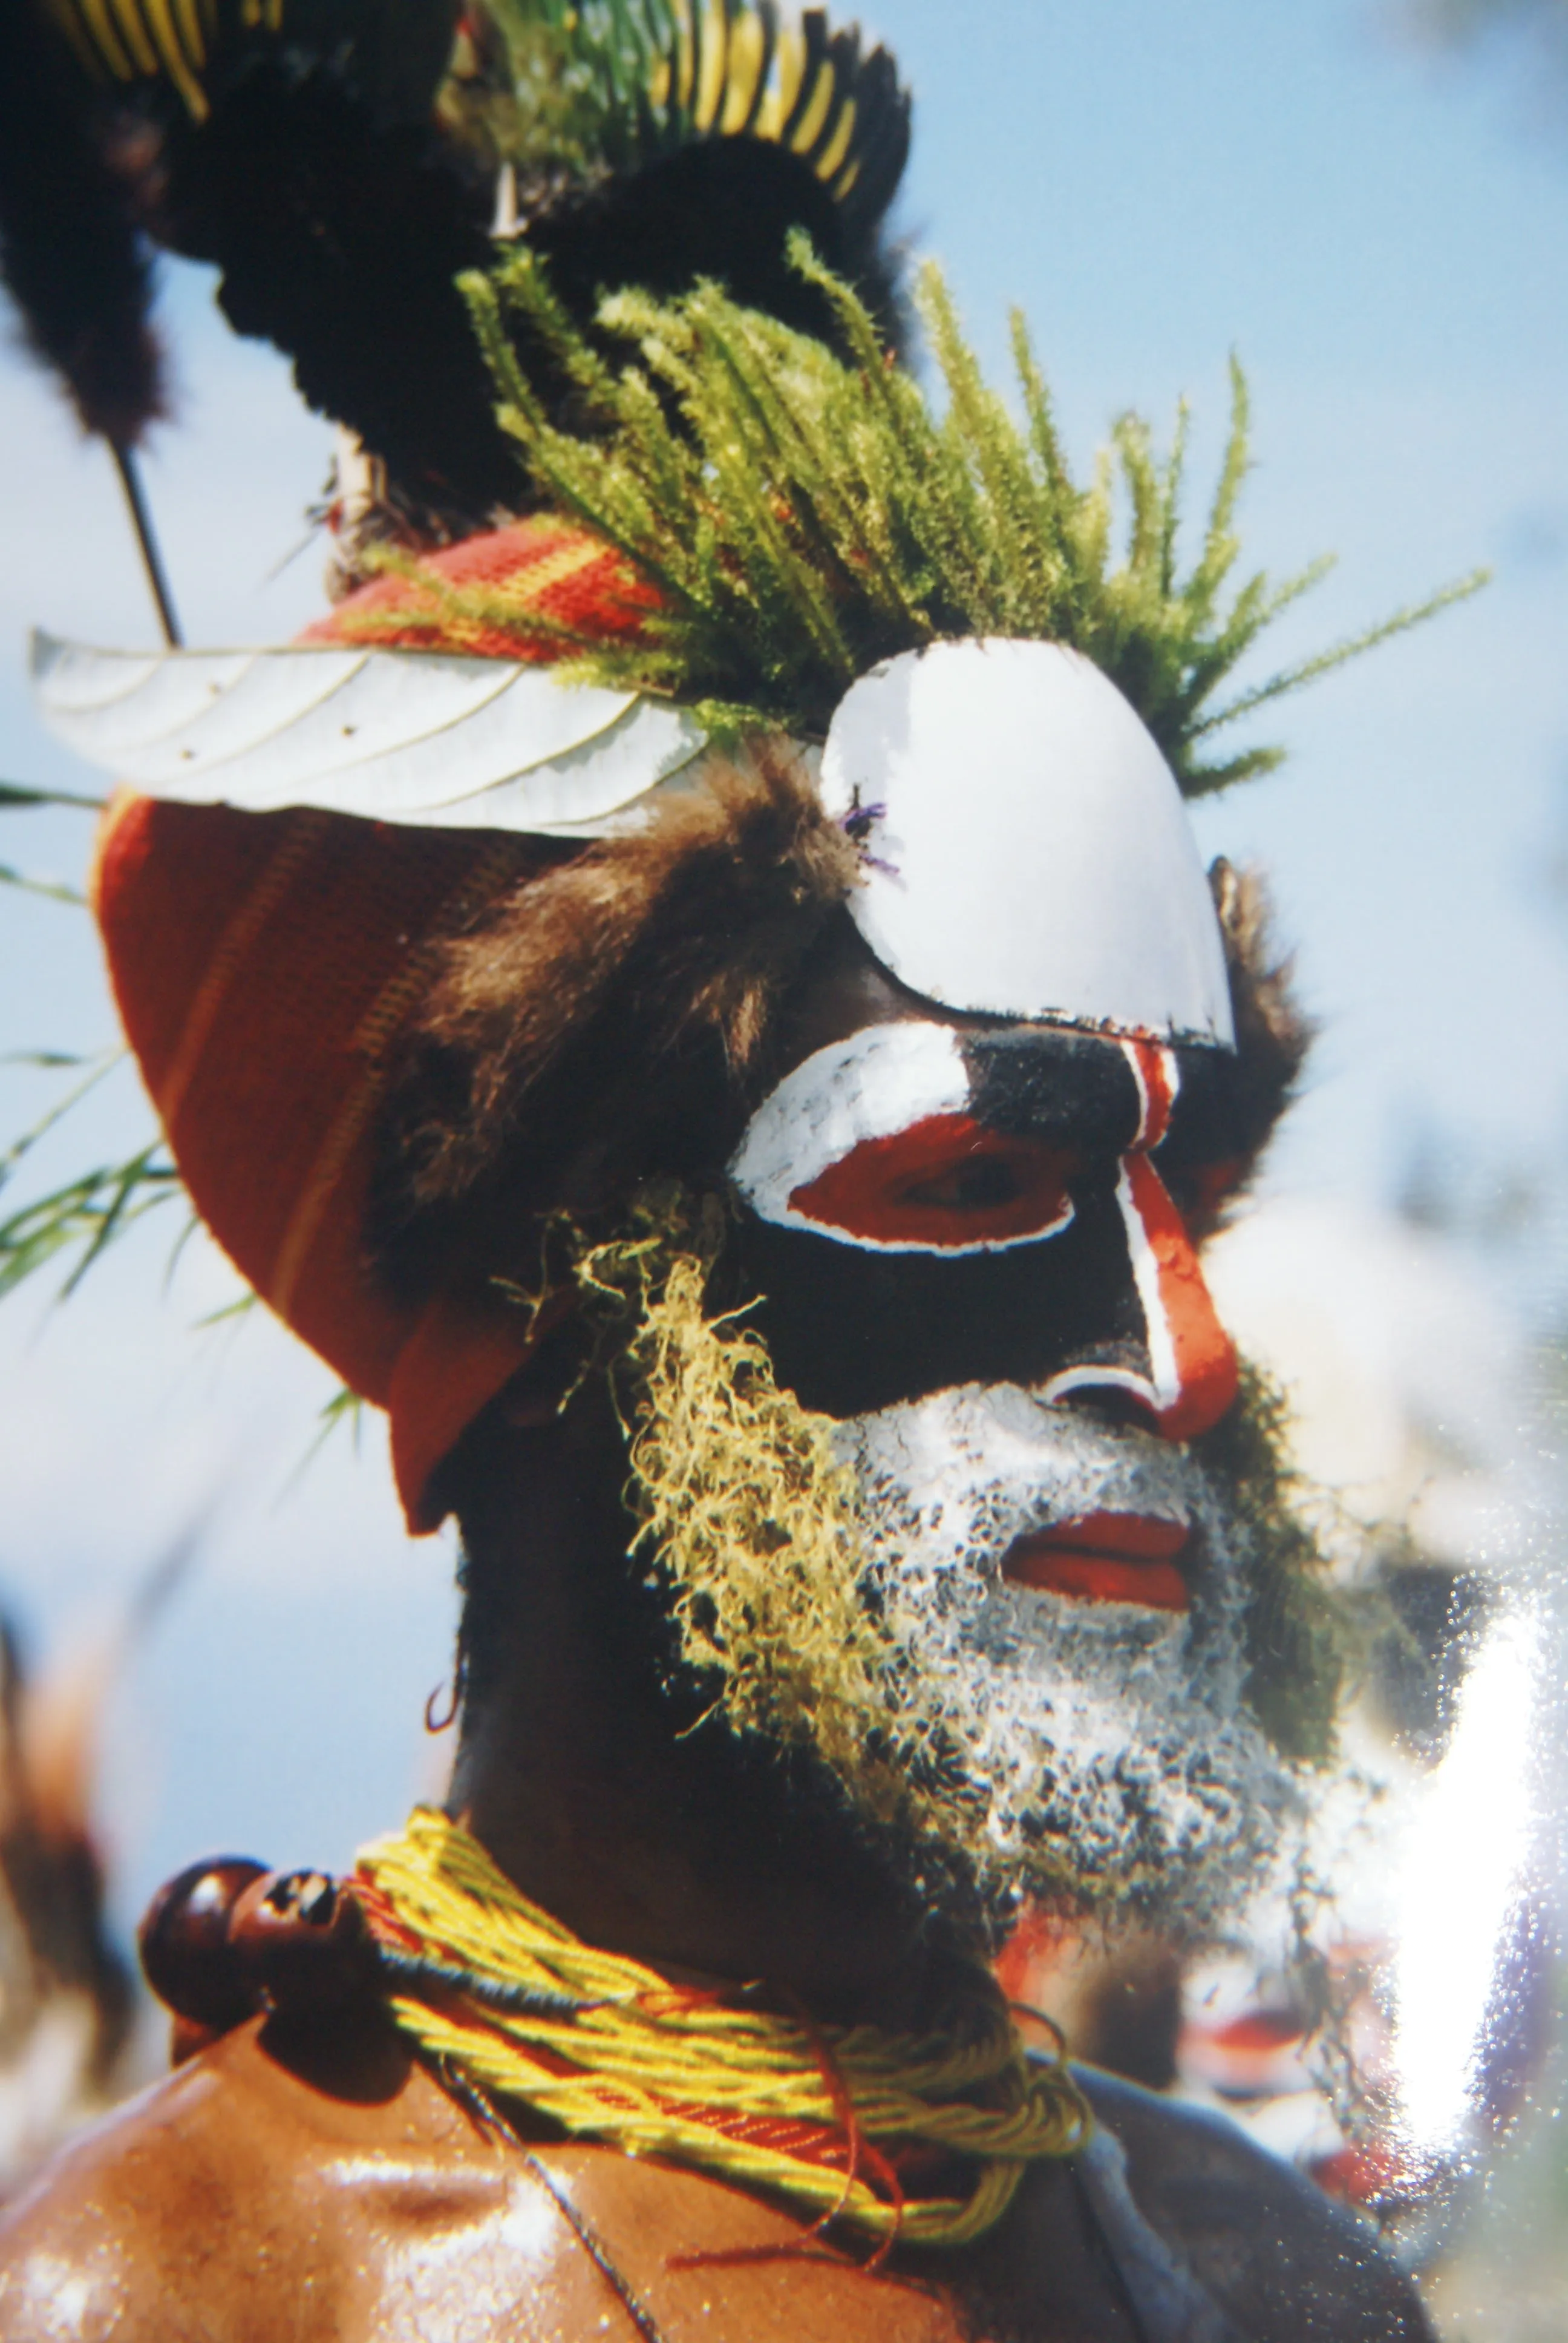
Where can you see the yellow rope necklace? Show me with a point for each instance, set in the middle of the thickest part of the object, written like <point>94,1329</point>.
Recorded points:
<point>514,2005</point>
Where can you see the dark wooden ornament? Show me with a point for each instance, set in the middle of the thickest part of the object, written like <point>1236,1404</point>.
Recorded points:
<point>226,1940</point>
<point>184,1944</point>
<point>302,1941</point>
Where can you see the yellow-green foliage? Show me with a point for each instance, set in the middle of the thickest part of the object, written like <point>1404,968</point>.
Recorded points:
<point>742,1502</point>
<point>802,516</point>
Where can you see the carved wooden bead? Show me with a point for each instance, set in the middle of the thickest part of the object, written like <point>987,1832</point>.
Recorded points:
<point>184,1942</point>
<point>301,1939</point>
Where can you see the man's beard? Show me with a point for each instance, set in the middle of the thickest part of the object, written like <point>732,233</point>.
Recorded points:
<point>1106,1756</point>
<point>837,1587</point>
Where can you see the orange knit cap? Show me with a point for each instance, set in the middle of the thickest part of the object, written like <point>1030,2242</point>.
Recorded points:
<point>266,964</point>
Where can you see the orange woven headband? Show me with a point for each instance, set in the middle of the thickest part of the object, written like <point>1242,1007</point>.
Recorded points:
<point>266,966</point>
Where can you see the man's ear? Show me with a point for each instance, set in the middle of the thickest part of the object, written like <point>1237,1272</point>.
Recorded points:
<point>1273,1033</point>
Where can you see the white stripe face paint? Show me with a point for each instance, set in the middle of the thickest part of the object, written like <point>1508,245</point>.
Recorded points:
<point>872,1086</point>
<point>873,1142</point>
<point>1165,1384</point>
<point>1158,1078</point>
<point>1192,1361</point>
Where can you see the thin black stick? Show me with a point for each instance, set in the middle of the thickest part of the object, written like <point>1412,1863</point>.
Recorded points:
<point>141,520</point>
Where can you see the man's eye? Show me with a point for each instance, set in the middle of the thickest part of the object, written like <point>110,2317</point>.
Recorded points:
<point>946,1183</point>
<point>977,1185</point>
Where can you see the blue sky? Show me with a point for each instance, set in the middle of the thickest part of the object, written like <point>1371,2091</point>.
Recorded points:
<point>1380,235</point>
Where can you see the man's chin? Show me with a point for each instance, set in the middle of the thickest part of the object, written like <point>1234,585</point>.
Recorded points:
<point>1176,1826</point>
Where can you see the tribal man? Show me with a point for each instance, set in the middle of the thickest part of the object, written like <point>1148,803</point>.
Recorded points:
<point>703,1003</point>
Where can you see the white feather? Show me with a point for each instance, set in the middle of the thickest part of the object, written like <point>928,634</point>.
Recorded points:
<point>401,736</point>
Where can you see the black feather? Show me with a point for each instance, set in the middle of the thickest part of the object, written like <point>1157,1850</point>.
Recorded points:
<point>347,260</point>
<point>719,209</point>
<point>70,252</point>
<point>311,157</point>
<point>339,240</point>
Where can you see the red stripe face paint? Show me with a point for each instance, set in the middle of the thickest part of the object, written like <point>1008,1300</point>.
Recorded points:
<point>1159,1078</point>
<point>1192,1361</point>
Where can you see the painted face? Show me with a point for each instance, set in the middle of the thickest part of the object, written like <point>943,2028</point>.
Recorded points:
<point>971,1209</point>
<point>913,1142</point>
<point>1096,1701</point>
<point>972,1250</point>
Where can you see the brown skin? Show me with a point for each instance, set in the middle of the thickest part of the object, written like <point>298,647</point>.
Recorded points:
<point>295,2185</point>
<point>282,2192</point>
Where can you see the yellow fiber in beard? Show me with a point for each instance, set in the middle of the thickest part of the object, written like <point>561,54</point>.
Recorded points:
<point>752,1517</point>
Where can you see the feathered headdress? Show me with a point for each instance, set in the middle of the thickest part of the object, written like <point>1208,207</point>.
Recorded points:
<point>343,161</point>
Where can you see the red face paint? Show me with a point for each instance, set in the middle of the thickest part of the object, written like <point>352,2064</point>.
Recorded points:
<point>875,1141</point>
<point>1155,1072</point>
<point>947,1182</point>
<point>1192,1361</point>
<point>1105,1558</point>
<point>1195,1360</point>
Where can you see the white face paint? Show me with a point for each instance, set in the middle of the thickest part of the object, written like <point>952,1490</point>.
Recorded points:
<point>1068,1594</point>
<point>868,1088</point>
<point>1107,1739</point>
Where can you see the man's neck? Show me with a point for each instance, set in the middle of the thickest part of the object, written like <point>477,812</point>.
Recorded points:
<point>637,1827</point>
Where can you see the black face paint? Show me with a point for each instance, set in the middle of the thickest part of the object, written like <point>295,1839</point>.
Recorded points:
<point>851,1328</point>
<point>1210,1137</point>
<point>1070,1090</point>
<point>1079,1089</point>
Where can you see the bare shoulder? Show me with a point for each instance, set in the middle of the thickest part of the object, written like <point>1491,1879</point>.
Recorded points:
<point>253,2198</point>
<point>88,2248</point>
<point>237,2199</point>
<point>1280,2259</point>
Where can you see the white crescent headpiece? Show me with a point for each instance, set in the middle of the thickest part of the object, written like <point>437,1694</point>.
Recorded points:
<point>1029,853</point>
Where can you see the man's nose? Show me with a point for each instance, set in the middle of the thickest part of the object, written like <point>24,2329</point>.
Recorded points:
<point>1192,1358</point>
<point>1192,1375</point>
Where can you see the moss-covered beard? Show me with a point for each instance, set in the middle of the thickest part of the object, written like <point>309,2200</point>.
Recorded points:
<point>838,1587</point>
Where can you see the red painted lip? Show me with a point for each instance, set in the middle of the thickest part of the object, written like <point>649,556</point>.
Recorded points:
<point>1105,1558</point>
